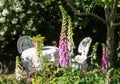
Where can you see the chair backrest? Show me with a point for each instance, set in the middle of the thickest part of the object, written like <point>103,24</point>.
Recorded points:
<point>84,46</point>
<point>24,43</point>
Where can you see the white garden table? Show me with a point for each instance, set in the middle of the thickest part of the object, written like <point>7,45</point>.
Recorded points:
<point>28,56</point>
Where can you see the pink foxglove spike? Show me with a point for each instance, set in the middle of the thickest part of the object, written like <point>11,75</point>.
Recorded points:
<point>103,60</point>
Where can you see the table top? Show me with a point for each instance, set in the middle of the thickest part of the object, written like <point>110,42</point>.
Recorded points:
<point>29,57</point>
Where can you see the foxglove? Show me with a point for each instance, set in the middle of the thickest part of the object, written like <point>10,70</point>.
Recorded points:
<point>18,69</point>
<point>103,58</point>
<point>70,34</point>
<point>63,43</point>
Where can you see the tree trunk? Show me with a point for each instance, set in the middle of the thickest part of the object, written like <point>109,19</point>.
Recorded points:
<point>109,51</point>
<point>110,46</point>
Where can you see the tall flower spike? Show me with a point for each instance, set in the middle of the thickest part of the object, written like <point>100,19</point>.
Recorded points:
<point>63,43</point>
<point>38,59</point>
<point>103,57</point>
<point>18,69</point>
<point>71,45</point>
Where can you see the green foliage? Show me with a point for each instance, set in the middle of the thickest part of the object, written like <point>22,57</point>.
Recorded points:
<point>45,75</point>
<point>84,5</point>
<point>107,3</point>
<point>66,76</point>
<point>77,77</point>
<point>53,75</point>
<point>47,2</point>
<point>11,81</point>
<point>116,76</point>
<point>118,49</point>
<point>38,38</point>
<point>38,42</point>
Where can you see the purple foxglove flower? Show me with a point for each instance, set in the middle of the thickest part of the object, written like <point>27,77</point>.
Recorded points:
<point>63,50</point>
<point>103,60</point>
<point>63,42</point>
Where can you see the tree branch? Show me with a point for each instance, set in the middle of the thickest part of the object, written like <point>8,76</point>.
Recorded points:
<point>94,15</point>
<point>114,10</point>
<point>85,14</point>
<point>116,24</point>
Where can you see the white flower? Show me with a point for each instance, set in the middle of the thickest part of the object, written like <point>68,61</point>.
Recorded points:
<point>18,73</point>
<point>2,32</point>
<point>29,11</point>
<point>14,33</point>
<point>33,29</point>
<point>38,63</point>
<point>30,23</point>
<point>1,3</point>
<point>42,6</point>
<point>59,2</point>
<point>2,19</point>
<point>5,28</point>
<point>72,60</point>
<point>0,14</point>
<point>14,21</point>
<point>37,11</point>
<point>17,7</point>
<point>23,32</point>
<point>22,15</point>
<point>5,12</point>
<point>76,23</point>
<point>77,3</point>
<point>23,2</point>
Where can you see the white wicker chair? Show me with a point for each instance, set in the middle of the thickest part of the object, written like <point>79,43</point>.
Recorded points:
<point>24,43</point>
<point>83,50</point>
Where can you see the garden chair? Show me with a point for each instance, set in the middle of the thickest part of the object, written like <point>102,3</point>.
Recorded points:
<point>83,50</point>
<point>24,43</point>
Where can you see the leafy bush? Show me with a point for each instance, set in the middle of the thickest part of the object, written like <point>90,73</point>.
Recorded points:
<point>53,75</point>
<point>116,76</point>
